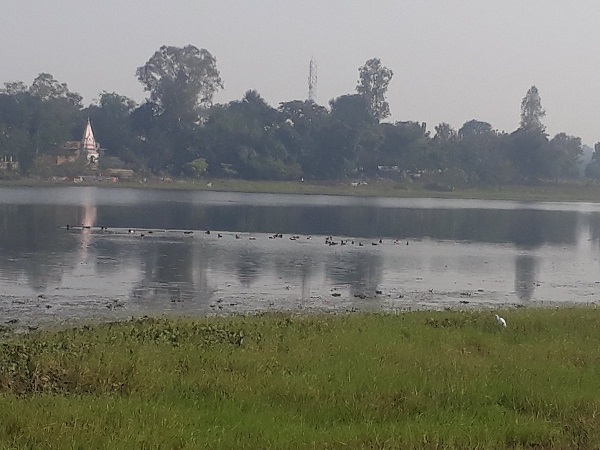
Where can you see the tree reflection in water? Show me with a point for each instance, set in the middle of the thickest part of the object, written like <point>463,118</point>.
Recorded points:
<point>451,241</point>
<point>248,266</point>
<point>526,272</point>
<point>361,271</point>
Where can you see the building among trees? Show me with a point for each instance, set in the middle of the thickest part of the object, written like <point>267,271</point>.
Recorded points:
<point>71,152</point>
<point>89,146</point>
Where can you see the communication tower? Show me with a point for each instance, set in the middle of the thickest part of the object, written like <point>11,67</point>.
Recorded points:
<point>312,80</point>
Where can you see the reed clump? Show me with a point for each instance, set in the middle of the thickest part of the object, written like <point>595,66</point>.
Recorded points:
<point>414,380</point>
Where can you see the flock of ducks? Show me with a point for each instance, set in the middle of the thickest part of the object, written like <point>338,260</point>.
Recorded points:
<point>329,240</point>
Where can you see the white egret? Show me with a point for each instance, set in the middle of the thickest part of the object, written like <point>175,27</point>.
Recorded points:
<point>500,321</point>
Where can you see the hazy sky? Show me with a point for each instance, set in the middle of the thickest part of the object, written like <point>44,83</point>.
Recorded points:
<point>453,60</point>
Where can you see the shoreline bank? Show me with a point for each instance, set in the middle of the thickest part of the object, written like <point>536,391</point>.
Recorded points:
<point>376,188</point>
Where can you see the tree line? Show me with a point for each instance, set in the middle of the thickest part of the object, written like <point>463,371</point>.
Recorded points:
<point>179,131</point>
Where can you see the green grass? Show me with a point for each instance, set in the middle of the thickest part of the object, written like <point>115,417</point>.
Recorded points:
<point>415,380</point>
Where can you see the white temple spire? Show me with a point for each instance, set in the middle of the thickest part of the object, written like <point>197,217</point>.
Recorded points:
<point>89,144</point>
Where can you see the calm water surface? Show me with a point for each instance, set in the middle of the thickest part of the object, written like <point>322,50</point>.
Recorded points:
<point>148,252</point>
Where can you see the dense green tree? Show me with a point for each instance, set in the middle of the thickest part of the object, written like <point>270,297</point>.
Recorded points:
<point>180,80</point>
<point>46,88</point>
<point>177,131</point>
<point>14,88</point>
<point>529,154</point>
<point>373,83</point>
<point>565,152</point>
<point>352,110</point>
<point>302,112</point>
<point>111,122</point>
<point>334,153</point>
<point>445,133</point>
<point>302,122</point>
<point>474,128</point>
<point>17,111</point>
<point>55,121</point>
<point>482,154</point>
<point>443,148</point>
<point>592,170</point>
<point>16,143</point>
<point>242,139</point>
<point>359,129</point>
<point>403,145</point>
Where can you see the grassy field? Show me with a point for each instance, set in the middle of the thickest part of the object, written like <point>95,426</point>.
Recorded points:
<point>385,188</point>
<point>414,380</point>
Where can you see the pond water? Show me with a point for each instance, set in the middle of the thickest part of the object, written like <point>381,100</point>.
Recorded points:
<point>99,253</point>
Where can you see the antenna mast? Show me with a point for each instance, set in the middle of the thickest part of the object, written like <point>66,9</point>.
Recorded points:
<point>312,81</point>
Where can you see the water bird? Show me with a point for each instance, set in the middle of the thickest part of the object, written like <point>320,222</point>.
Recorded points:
<point>219,235</point>
<point>237,236</point>
<point>207,232</point>
<point>501,321</point>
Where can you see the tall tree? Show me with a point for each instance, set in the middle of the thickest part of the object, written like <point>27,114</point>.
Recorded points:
<point>47,88</point>
<point>180,79</point>
<point>532,111</point>
<point>57,117</point>
<point>373,83</point>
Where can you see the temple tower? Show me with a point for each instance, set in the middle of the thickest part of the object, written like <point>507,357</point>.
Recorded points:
<point>89,145</point>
